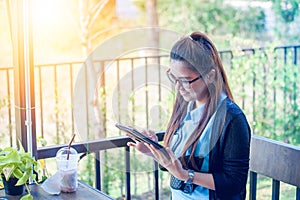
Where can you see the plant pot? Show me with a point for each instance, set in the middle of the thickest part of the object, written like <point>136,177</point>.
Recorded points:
<point>11,188</point>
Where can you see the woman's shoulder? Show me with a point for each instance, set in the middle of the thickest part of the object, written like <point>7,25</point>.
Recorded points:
<point>232,106</point>
<point>232,109</point>
<point>235,118</point>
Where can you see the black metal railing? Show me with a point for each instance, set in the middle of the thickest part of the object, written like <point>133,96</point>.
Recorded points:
<point>54,86</point>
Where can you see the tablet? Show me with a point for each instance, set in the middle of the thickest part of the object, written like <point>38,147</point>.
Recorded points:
<point>142,138</point>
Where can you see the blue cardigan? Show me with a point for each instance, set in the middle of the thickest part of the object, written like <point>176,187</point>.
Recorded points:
<point>229,157</point>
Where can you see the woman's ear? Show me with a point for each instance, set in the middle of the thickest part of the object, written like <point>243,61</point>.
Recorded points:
<point>211,76</point>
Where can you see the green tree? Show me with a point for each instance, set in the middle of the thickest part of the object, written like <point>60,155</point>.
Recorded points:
<point>286,27</point>
<point>286,9</point>
<point>212,17</point>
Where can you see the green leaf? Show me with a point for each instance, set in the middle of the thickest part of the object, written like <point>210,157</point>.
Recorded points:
<point>18,173</point>
<point>12,156</point>
<point>21,147</point>
<point>27,197</point>
<point>8,171</point>
<point>24,179</point>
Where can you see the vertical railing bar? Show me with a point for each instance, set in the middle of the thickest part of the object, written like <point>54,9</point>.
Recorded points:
<point>98,170</point>
<point>132,89</point>
<point>275,189</point>
<point>156,181</point>
<point>146,92</point>
<point>231,57</point>
<point>295,56</point>
<point>295,76</point>
<point>253,185</point>
<point>156,178</point>
<point>159,84</point>
<point>56,103</point>
<point>133,116</point>
<point>119,119</point>
<point>41,101</point>
<point>119,91</point>
<point>9,108</point>
<point>265,82</point>
<point>274,93</point>
<point>297,193</point>
<point>104,111</point>
<point>253,99</point>
<point>127,173</point>
<point>285,54</point>
<point>284,80</point>
<point>221,55</point>
<point>159,90</point>
<point>71,93</point>
<point>86,99</point>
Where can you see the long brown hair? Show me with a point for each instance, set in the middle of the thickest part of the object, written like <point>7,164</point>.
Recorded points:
<point>200,56</point>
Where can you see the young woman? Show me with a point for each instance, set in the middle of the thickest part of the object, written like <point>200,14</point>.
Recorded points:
<point>208,136</point>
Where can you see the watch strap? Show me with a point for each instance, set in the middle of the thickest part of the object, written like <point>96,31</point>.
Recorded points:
<point>188,185</point>
<point>190,176</point>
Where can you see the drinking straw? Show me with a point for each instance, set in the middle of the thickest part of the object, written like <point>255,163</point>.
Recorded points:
<point>69,146</point>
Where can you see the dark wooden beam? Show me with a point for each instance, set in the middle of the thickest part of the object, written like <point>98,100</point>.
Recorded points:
<point>274,159</point>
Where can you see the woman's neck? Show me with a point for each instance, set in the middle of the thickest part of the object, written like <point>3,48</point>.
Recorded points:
<point>200,102</point>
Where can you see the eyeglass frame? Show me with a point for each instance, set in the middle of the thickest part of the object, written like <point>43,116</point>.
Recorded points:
<point>184,83</point>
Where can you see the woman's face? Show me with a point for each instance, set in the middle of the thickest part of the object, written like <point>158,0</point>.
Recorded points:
<point>195,91</point>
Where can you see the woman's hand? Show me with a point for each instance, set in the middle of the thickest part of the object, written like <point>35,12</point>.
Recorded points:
<point>172,164</point>
<point>140,146</point>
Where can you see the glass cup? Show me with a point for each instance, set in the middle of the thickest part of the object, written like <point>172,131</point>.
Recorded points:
<point>67,167</point>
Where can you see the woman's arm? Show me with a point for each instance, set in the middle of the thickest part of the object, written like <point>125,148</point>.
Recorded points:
<point>204,179</point>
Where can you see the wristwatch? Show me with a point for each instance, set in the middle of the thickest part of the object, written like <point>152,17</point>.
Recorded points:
<point>188,188</point>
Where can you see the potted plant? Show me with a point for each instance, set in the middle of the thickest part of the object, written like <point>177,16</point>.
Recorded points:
<point>17,168</point>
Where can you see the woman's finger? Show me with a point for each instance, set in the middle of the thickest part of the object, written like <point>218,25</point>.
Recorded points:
<point>152,135</point>
<point>171,154</point>
<point>131,144</point>
<point>145,133</point>
<point>159,156</point>
<point>131,137</point>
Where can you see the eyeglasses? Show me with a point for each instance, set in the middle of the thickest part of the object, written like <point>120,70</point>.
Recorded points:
<point>185,83</point>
